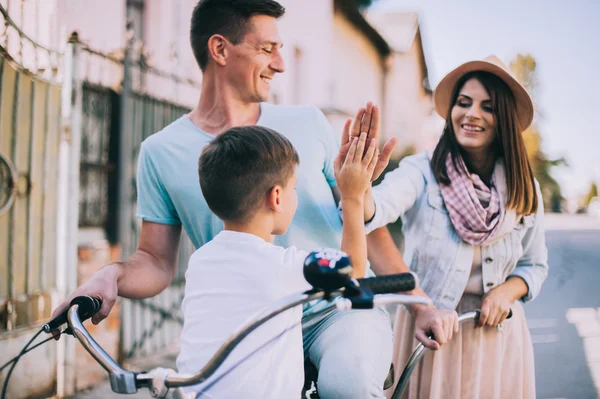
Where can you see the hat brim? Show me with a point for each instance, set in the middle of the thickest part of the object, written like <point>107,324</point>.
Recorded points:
<point>443,91</point>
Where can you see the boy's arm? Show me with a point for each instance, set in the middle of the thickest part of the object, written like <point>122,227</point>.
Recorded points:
<point>354,241</point>
<point>353,176</point>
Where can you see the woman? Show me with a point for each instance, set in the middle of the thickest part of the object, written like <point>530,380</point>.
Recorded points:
<point>472,219</point>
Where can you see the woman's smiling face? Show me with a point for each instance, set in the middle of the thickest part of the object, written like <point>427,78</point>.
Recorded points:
<point>473,117</point>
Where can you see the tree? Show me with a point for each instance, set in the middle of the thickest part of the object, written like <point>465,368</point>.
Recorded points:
<point>592,192</point>
<point>523,68</point>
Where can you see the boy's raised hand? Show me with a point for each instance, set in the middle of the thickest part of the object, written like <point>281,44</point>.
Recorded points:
<point>354,173</point>
<point>367,120</point>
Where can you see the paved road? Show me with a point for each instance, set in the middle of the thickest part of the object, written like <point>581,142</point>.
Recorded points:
<point>565,319</point>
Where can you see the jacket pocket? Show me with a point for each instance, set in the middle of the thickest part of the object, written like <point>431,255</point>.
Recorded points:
<point>435,200</point>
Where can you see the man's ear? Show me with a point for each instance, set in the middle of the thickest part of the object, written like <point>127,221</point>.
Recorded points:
<point>274,198</point>
<point>217,50</point>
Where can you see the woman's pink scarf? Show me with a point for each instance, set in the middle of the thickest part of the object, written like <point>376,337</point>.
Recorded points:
<point>477,211</point>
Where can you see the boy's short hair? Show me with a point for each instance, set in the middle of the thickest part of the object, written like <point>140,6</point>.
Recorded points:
<point>239,167</point>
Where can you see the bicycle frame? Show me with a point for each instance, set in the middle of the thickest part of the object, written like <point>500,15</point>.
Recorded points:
<point>160,381</point>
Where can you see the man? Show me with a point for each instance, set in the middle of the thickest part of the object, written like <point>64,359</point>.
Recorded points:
<point>237,46</point>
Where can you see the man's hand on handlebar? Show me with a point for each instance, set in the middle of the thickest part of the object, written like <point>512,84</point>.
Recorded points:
<point>101,285</point>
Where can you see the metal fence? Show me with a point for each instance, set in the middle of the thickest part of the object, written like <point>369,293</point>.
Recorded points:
<point>30,110</point>
<point>105,143</point>
<point>152,324</point>
<point>29,139</point>
<point>99,154</point>
<point>114,126</point>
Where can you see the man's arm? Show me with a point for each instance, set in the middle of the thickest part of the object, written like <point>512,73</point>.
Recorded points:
<point>144,274</point>
<point>152,267</point>
<point>385,257</point>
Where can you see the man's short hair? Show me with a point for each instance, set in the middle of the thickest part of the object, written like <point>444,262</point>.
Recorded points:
<point>229,18</point>
<point>239,167</point>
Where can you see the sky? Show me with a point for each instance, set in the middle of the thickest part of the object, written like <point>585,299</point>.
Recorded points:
<point>563,37</point>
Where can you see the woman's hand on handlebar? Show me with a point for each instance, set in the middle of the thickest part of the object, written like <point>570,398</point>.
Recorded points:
<point>101,285</point>
<point>439,324</point>
<point>495,308</point>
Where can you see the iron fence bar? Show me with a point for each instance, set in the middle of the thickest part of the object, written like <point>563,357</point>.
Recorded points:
<point>30,198</point>
<point>9,21</point>
<point>100,54</point>
<point>145,68</point>
<point>6,22</point>
<point>180,108</point>
<point>37,24</point>
<point>167,314</point>
<point>21,37</point>
<point>164,315</point>
<point>12,218</point>
<point>124,193</point>
<point>42,277</point>
<point>17,65</point>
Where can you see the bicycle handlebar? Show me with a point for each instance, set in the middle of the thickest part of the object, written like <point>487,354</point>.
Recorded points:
<point>88,306</point>
<point>121,380</point>
<point>125,381</point>
<point>389,284</point>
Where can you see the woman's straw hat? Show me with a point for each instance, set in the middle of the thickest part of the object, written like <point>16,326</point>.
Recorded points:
<point>443,91</point>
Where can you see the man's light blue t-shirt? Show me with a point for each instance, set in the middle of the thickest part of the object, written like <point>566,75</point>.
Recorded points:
<point>169,191</point>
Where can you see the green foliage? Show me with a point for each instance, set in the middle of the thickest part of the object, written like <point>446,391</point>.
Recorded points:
<point>592,192</point>
<point>523,68</point>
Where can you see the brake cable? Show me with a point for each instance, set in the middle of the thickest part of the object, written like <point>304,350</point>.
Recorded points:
<point>15,359</point>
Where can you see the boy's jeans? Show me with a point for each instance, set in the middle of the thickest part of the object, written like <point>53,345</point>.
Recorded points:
<point>351,349</point>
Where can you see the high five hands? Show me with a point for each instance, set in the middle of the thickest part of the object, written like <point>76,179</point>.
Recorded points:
<point>367,120</point>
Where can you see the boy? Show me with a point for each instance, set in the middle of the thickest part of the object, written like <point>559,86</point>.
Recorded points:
<point>248,179</point>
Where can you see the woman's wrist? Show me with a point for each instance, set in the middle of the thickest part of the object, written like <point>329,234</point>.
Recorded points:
<point>369,205</point>
<point>514,288</point>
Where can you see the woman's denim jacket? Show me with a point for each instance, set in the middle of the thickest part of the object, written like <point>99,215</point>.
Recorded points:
<point>436,253</point>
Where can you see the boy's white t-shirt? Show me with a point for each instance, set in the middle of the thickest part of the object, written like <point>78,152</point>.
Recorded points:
<point>228,280</point>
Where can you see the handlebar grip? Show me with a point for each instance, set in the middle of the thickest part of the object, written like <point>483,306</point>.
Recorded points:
<point>390,284</point>
<point>88,306</point>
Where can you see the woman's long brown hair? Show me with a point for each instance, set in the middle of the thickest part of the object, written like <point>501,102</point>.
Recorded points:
<point>508,144</point>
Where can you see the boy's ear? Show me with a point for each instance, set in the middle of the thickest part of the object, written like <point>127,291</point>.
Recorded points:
<point>274,198</point>
<point>216,49</point>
